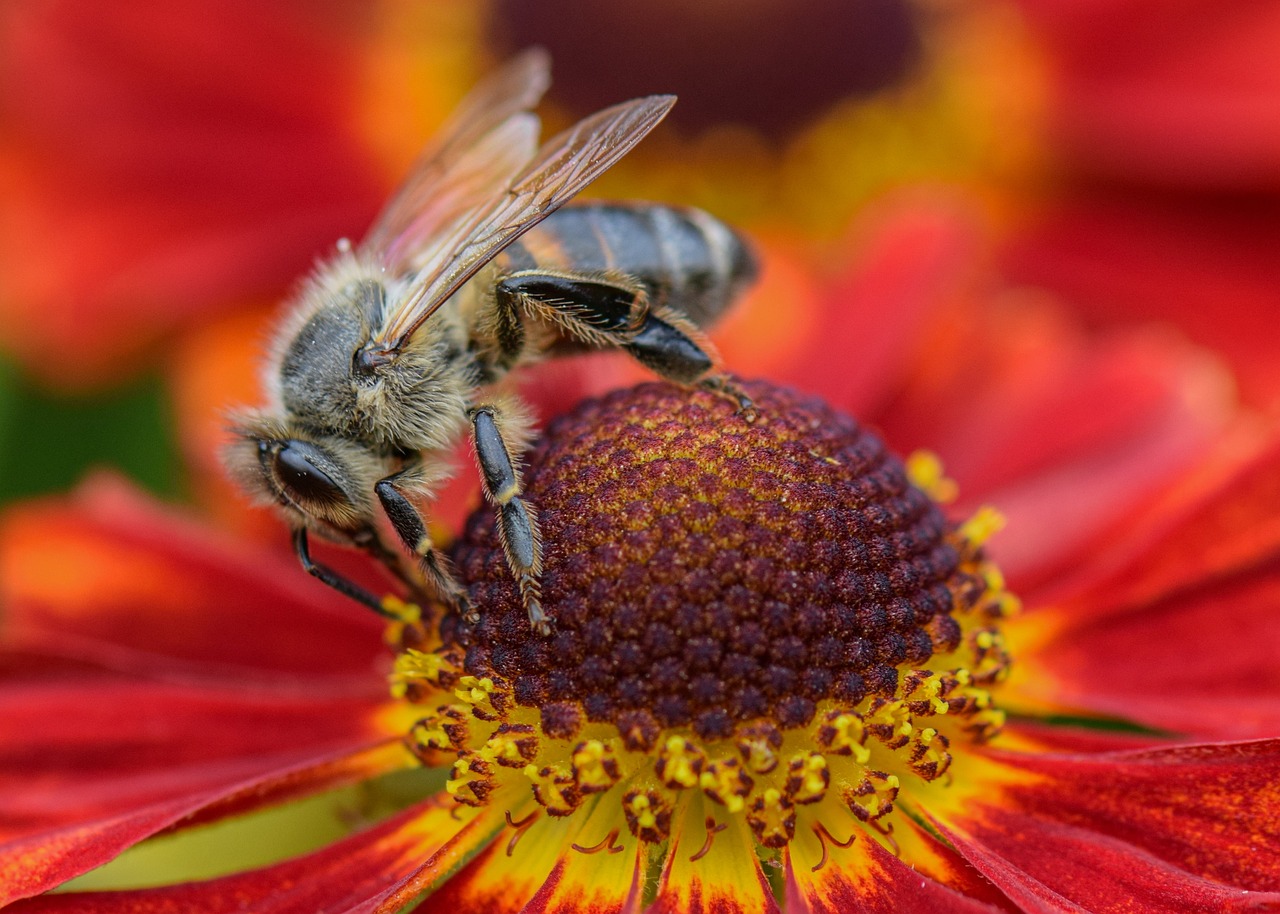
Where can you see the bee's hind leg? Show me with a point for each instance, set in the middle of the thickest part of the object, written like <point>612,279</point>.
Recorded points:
<point>517,522</point>
<point>412,530</point>
<point>672,347</point>
<point>615,311</point>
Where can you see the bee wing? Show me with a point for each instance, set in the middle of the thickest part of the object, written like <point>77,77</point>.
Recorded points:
<point>562,167</point>
<point>490,129</point>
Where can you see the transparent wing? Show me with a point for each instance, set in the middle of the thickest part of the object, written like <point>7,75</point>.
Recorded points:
<point>523,198</point>
<point>491,134</point>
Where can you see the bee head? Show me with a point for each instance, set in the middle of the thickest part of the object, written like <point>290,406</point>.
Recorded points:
<point>321,483</point>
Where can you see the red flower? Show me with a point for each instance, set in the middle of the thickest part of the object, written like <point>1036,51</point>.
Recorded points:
<point>161,164</point>
<point>1165,134</point>
<point>1142,539</point>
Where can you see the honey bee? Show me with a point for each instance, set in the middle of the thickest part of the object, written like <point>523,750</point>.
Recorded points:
<point>394,347</point>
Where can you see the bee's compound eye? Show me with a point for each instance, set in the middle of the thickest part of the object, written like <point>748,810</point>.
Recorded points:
<point>296,469</point>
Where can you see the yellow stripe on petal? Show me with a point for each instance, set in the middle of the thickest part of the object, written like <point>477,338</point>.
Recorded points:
<point>517,864</point>
<point>712,866</point>
<point>836,866</point>
<point>601,870</point>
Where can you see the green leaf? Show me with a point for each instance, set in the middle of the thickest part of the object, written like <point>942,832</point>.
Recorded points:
<point>49,442</point>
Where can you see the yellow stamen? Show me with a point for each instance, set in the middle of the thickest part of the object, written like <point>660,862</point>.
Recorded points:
<point>924,469</point>
<point>986,523</point>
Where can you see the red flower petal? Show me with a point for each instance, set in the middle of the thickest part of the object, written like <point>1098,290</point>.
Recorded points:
<point>1202,663</point>
<point>359,873</point>
<point>110,577</point>
<point>1211,267</point>
<point>864,878</point>
<point>163,161</point>
<point>1068,869</point>
<point>94,747</point>
<point>1063,431</point>
<point>1167,91</point>
<point>39,862</point>
<point>1188,828</point>
<point>914,255</point>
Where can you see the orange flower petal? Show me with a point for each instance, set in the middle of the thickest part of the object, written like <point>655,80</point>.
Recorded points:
<point>601,871</point>
<point>914,255</point>
<point>110,576</point>
<point>510,870</point>
<point>587,863</point>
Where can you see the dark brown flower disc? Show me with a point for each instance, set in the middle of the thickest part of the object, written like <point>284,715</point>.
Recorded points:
<point>704,570</point>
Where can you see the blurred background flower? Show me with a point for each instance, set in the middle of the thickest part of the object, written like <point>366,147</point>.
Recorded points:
<point>1075,192</point>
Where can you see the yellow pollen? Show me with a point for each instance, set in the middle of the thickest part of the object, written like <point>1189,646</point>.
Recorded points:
<point>924,469</point>
<point>680,763</point>
<point>986,523</point>
<point>890,722</point>
<point>414,667</point>
<point>726,782</point>
<point>404,612</point>
<point>553,787</point>
<point>642,809</point>
<point>808,778</point>
<point>772,818</point>
<point>471,782</point>
<point>873,796</point>
<point>429,733</point>
<point>845,734</point>
<point>648,816</point>
<point>477,693</point>
<point>513,746</point>
<point>758,745</point>
<point>595,766</point>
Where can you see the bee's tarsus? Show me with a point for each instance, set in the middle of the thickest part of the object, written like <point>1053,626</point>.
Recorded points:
<point>539,621</point>
<point>469,613</point>
<point>729,389</point>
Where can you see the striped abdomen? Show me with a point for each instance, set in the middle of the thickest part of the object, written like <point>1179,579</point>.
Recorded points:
<point>685,258</point>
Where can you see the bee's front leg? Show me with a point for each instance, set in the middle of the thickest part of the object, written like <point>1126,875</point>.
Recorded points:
<point>517,522</point>
<point>326,575</point>
<point>412,530</point>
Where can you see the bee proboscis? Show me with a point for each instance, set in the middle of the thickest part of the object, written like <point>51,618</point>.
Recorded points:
<point>393,347</point>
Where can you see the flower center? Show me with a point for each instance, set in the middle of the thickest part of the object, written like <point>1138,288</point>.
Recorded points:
<point>772,614</point>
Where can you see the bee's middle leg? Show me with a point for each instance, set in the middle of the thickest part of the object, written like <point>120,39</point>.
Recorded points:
<point>517,522</point>
<point>412,530</point>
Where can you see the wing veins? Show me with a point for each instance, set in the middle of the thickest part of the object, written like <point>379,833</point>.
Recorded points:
<point>560,169</point>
